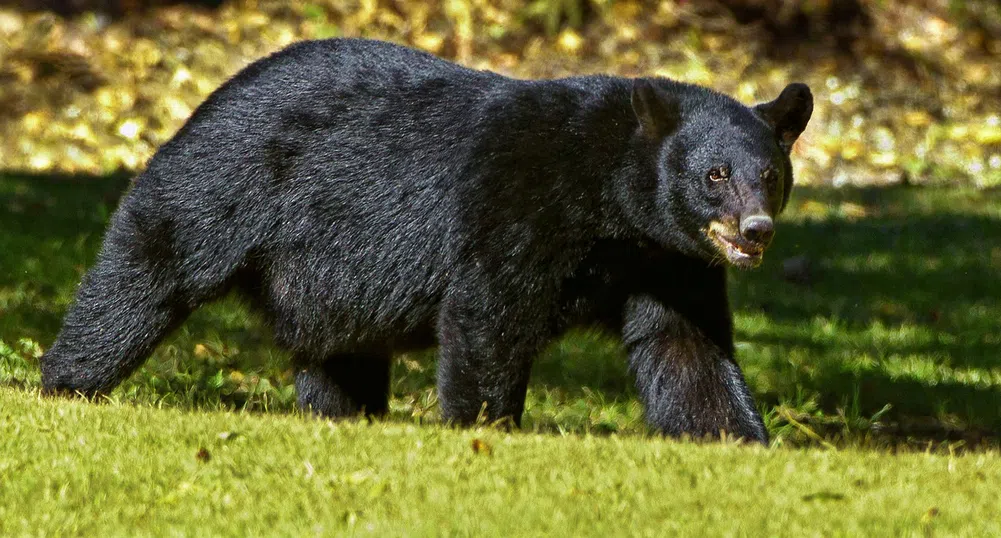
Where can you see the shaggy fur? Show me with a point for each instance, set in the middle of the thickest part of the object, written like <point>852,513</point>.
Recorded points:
<point>371,199</point>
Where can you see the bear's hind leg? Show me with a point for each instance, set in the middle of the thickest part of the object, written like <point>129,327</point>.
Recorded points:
<point>125,305</point>
<point>484,361</point>
<point>345,385</point>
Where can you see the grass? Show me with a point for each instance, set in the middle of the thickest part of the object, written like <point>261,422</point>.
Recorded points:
<point>72,468</point>
<point>870,330</point>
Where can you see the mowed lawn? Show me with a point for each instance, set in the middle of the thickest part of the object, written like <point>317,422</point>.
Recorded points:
<point>870,337</point>
<point>72,468</point>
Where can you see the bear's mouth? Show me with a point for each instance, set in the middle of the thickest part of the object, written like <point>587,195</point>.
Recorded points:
<point>736,249</point>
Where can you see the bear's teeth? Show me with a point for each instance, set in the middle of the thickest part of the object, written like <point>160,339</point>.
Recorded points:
<point>740,250</point>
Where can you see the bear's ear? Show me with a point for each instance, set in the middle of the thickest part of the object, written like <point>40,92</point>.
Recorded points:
<point>658,113</point>
<point>789,113</point>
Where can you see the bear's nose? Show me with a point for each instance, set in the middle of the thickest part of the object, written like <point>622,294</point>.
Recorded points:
<point>757,228</point>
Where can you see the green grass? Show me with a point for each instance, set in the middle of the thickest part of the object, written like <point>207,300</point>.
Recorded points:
<point>73,468</point>
<point>883,360</point>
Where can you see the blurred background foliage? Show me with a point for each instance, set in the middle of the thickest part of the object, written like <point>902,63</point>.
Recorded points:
<point>907,92</point>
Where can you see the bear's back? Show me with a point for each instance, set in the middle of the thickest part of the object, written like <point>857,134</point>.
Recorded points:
<point>357,177</point>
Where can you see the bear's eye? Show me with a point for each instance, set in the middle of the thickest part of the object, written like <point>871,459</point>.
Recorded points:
<point>719,174</point>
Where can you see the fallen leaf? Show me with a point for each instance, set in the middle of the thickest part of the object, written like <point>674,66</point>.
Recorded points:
<point>481,447</point>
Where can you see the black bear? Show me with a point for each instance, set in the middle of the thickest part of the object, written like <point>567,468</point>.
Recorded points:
<point>370,199</point>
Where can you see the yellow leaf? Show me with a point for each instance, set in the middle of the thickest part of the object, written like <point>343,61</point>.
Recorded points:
<point>884,160</point>
<point>853,211</point>
<point>988,134</point>
<point>570,41</point>
<point>917,118</point>
<point>130,128</point>
<point>430,42</point>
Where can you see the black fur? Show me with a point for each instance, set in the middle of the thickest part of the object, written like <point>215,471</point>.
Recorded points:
<point>372,199</point>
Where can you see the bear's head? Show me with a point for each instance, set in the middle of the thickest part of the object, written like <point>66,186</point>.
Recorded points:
<point>715,173</point>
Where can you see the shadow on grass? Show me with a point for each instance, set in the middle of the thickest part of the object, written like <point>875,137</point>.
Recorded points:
<point>51,229</point>
<point>899,307</point>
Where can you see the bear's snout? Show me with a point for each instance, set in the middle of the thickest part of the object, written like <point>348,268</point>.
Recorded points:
<point>757,229</point>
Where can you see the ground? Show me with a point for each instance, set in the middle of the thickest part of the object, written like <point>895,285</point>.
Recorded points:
<point>72,468</point>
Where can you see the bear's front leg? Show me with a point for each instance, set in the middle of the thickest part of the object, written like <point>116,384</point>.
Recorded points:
<point>682,355</point>
<point>485,358</point>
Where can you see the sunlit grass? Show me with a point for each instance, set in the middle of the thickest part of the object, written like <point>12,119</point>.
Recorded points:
<point>115,469</point>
